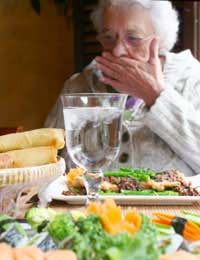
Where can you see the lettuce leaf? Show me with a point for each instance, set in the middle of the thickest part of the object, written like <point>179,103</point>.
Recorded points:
<point>144,244</point>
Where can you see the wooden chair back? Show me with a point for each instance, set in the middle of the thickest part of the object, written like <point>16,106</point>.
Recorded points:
<point>10,130</point>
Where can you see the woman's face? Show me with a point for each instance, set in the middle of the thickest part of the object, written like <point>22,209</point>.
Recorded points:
<point>127,32</point>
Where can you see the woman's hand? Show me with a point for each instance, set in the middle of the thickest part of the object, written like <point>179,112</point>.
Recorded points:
<point>143,80</point>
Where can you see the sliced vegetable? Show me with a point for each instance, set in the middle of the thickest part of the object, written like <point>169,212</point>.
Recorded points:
<point>195,218</point>
<point>112,217</point>
<point>164,229</point>
<point>189,230</point>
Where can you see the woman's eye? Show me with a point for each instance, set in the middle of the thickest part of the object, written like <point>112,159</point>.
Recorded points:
<point>133,38</point>
<point>108,37</point>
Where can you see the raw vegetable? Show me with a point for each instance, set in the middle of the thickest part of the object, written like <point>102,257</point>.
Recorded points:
<point>91,241</point>
<point>38,216</point>
<point>188,229</point>
<point>61,227</point>
<point>164,229</point>
<point>112,218</point>
<point>195,218</point>
<point>144,243</point>
<point>168,240</point>
<point>95,243</point>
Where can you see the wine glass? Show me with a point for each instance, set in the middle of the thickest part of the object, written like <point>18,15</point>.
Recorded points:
<point>131,118</point>
<point>93,125</point>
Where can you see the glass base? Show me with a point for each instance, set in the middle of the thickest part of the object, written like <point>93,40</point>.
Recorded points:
<point>92,181</point>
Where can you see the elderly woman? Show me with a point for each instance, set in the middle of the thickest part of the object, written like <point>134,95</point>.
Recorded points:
<point>136,37</point>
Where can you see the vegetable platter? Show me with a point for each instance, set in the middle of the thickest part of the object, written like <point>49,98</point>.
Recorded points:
<point>101,232</point>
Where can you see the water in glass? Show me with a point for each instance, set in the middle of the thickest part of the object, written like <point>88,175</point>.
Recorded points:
<point>93,140</point>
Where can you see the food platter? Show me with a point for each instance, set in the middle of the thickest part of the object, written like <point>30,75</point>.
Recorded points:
<point>55,189</point>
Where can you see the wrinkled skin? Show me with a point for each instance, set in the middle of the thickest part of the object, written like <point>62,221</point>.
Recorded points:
<point>136,70</point>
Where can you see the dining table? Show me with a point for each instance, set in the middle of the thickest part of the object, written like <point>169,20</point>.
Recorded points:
<point>30,200</point>
<point>146,209</point>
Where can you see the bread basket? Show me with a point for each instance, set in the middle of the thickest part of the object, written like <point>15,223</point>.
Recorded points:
<point>18,185</point>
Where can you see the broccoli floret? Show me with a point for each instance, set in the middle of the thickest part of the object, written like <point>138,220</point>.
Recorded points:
<point>91,223</point>
<point>61,227</point>
<point>36,216</point>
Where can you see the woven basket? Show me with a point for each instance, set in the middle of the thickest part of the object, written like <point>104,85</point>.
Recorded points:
<point>29,174</point>
<point>17,184</point>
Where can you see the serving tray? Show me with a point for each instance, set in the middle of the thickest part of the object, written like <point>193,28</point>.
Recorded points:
<point>55,189</point>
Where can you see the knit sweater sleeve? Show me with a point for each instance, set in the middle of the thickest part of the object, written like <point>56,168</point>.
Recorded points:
<point>175,118</point>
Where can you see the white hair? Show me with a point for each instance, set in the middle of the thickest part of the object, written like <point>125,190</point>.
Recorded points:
<point>163,16</point>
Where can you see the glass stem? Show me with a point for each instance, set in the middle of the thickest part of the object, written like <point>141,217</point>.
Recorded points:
<point>92,181</point>
<point>130,132</point>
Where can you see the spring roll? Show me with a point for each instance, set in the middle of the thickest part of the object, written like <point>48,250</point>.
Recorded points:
<point>34,138</point>
<point>29,157</point>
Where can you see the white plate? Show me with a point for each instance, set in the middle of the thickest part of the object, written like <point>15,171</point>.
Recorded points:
<point>55,189</point>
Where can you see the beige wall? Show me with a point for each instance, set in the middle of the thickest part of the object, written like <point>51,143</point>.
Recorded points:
<point>36,56</point>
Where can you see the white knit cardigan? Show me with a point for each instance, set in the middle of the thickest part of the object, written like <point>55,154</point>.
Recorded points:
<point>166,136</point>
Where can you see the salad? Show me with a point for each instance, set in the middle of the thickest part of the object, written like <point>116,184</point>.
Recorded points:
<point>101,232</point>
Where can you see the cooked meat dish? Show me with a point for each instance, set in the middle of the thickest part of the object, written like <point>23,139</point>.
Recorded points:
<point>135,180</point>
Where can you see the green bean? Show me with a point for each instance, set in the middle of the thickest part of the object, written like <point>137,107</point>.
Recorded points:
<point>150,192</point>
<point>116,174</point>
<point>134,175</point>
<point>167,193</point>
<point>138,192</point>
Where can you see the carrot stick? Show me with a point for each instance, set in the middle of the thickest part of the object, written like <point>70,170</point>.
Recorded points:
<point>191,233</point>
<point>165,219</point>
<point>189,236</point>
<point>192,228</point>
<point>163,215</point>
<point>197,228</point>
<point>159,221</point>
